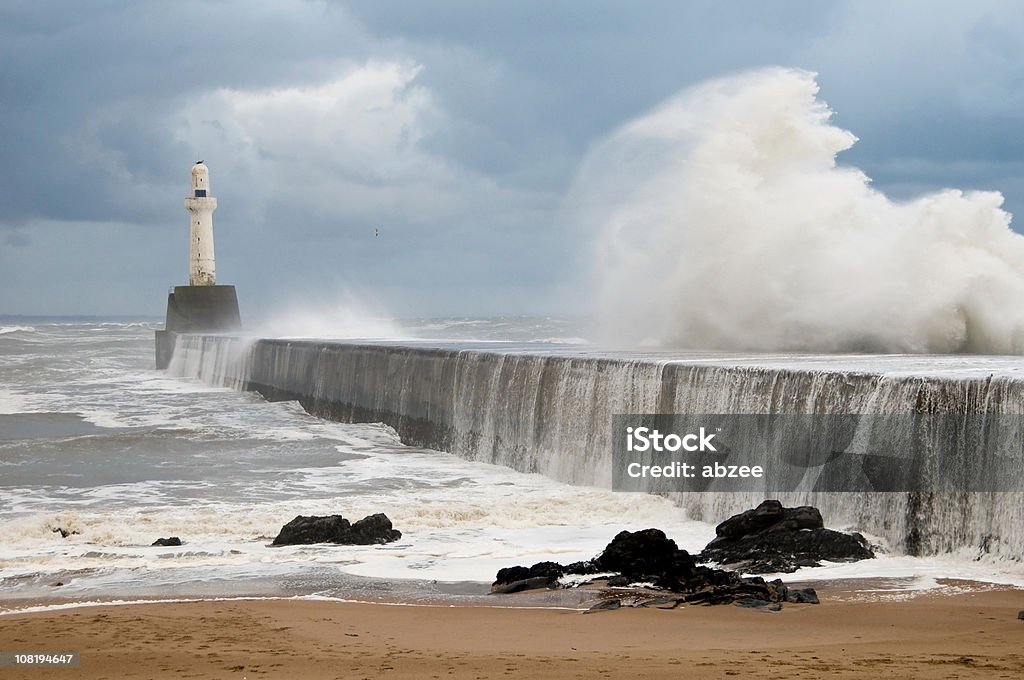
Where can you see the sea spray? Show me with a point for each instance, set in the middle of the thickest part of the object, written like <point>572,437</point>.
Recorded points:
<point>724,222</point>
<point>345,313</point>
<point>217,360</point>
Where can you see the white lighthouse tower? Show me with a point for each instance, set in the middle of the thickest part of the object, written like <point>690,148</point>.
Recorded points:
<point>202,306</point>
<point>200,205</point>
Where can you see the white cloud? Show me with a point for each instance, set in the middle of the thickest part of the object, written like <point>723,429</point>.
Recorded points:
<point>347,148</point>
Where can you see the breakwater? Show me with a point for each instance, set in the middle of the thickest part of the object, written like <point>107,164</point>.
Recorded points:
<point>548,410</point>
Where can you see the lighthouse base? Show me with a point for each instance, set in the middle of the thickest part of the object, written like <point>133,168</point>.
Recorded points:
<point>196,309</point>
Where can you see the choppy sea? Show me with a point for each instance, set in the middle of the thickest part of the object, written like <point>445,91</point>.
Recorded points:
<point>101,454</point>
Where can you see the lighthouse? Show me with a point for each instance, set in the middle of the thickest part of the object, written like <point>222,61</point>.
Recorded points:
<point>200,205</point>
<point>202,306</point>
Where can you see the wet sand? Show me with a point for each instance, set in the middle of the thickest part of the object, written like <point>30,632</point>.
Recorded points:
<point>934,635</point>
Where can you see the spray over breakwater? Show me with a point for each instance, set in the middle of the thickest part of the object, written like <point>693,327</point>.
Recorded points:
<point>722,219</point>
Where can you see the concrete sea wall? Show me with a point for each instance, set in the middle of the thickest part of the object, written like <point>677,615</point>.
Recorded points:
<point>549,412</point>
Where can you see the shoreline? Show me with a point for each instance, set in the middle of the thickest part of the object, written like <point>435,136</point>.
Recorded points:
<point>878,589</point>
<point>928,635</point>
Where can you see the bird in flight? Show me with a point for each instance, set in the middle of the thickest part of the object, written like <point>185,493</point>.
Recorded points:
<point>376,232</point>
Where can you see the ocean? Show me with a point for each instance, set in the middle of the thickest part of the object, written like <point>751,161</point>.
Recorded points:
<point>101,454</point>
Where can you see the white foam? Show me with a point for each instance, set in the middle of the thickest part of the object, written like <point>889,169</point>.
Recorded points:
<point>467,521</point>
<point>117,602</point>
<point>5,330</point>
<point>12,402</point>
<point>916,572</point>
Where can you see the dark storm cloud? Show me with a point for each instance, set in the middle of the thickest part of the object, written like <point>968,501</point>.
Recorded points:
<point>454,128</point>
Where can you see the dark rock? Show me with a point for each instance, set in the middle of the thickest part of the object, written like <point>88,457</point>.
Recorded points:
<point>771,538</point>
<point>736,590</point>
<point>173,540</point>
<point>305,530</point>
<point>1020,615</point>
<point>371,530</point>
<point>781,589</point>
<point>549,572</point>
<point>638,554</point>
<point>604,605</point>
<point>583,568</point>
<point>64,533</point>
<point>521,585</point>
<point>770,516</point>
<point>510,575</point>
<point>648,556</point>
<point>802,596</point>
<point>662,602</point>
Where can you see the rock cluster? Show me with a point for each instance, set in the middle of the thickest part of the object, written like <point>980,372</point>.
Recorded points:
<point>649,556</point>
<point>371,530</point>
<point>769,538</point>
<point>774,539</point>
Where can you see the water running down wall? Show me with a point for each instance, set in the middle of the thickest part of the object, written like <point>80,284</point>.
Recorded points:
<point>549,412</point>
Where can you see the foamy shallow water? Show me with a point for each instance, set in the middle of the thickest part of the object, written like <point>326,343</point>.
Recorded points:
<point>119,454</point>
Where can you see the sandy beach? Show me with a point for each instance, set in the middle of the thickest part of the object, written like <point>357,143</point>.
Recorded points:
<point>962,635</point>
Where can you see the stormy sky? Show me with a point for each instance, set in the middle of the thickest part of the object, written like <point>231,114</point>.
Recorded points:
<point>454,128</point>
